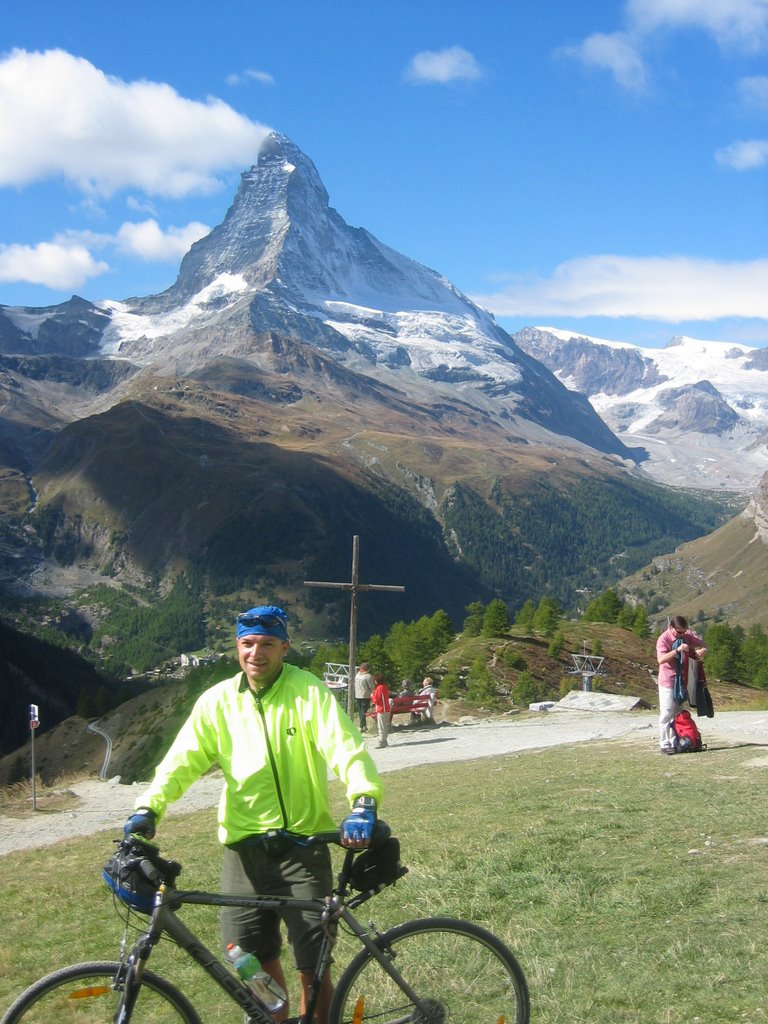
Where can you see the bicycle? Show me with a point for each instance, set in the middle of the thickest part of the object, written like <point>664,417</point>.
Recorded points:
<point>427,971</point>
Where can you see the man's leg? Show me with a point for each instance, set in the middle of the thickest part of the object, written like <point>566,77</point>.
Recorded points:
<point>308,873</point>
<point>256,931</point>
<point>362,707</point>
<point>324,996</point>
<point>274,969</point>
<point>668,708</point>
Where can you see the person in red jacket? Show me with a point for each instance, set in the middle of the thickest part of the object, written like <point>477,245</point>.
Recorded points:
<point>380,701</point>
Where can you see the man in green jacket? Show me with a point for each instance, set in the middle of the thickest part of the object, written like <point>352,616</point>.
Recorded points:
<point>274,730</point>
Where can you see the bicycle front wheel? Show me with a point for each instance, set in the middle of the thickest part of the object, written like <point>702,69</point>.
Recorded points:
<point>457,971</point>
<point>86,994</point>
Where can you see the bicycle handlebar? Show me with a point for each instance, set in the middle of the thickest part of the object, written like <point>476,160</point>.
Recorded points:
<point>157,869</point>
<point>148,860</point>
<point>137,871</point>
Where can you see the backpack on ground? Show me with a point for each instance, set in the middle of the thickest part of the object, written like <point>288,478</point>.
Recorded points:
<point>688,735</point>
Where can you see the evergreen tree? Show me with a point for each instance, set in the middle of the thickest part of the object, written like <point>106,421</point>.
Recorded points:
<point>480,685</point>
<point>527,690</point>
<point>724,652</point>
<point>473,623</point>
<point>557,643</point>
<point>512,658</point>
<point>442,630</point>
<point>337,653</point>
<point>641,626</point>
<point>626,617</point>
<point>496,618</point>
<point>525,616</point>
<point>547,617</point>
<point>754,656</point>
<point>413,646</point>
<point>375,651</point>
<point>605,607</point>
<point>449,685</point>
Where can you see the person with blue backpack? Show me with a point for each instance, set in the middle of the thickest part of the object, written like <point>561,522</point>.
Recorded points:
<point>673,649</point>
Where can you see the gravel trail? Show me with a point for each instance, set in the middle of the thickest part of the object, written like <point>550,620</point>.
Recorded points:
<point>103,805</point>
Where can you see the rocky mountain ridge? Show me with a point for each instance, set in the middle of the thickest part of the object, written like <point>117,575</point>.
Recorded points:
<point>757,510</point>
<point>720,576</point>
<point>301,383</point>
<point>283,264</point>
<point>699,408</point>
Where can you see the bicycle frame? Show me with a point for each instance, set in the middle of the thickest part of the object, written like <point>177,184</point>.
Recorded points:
<point>460,970</point>
<point>331,910</point>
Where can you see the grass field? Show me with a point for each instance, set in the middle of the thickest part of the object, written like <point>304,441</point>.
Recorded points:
<point>632,887</point>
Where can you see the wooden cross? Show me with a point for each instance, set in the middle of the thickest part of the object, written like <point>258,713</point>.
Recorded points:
<point>355,588</point>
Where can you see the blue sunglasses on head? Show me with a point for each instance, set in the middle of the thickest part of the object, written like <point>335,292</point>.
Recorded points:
<point>268,621</point>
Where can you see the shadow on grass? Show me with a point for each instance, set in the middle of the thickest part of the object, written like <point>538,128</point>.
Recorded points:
<point>735,746</point>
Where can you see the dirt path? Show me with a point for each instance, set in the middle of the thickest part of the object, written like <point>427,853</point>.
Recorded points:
<point>91,805</point>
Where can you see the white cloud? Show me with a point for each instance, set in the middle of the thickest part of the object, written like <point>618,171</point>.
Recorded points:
<point>616,53</point>
<point>744,155</point>
<point>59,265</point>
<point>67,261</point>
<point>673,289</point>
<point>149,242</point>
<point>139,204</point>
<point>262,77</point>
<point>737,23</point>
<point>63,117</point>
<point>89,239</point>
<point>442,66</point>
<point>754,91</point>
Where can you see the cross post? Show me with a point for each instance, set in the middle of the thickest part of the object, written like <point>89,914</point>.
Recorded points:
<point>355,587</point>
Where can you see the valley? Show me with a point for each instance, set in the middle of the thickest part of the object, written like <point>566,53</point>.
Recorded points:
<point>301,383</point>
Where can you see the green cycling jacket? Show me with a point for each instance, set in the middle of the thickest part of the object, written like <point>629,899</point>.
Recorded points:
<point>274,751</point>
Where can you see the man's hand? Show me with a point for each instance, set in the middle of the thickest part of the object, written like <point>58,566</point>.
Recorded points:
<point>357,827</point>
<point>143,823</point>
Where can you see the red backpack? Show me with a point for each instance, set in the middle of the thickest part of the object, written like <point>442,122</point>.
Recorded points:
<point>688,735</point>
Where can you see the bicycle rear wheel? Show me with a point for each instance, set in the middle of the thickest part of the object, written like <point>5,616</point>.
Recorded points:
<point>85,994</point>
<point>459,972</point>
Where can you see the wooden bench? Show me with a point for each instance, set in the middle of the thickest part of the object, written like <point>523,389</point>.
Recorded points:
<point>408,704</point>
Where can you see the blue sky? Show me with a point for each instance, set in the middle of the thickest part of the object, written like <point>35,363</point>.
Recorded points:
<point>599,167</point>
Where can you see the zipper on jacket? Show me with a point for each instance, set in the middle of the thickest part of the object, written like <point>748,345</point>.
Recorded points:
<point>272,762</point>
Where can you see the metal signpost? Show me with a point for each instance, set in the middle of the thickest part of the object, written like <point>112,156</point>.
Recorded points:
<point>34,722</point>
<point>354,587</point>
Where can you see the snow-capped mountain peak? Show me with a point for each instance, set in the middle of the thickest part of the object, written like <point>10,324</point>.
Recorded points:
<point>284,274</point>
<point>699,407</point>
<point>283,262</point>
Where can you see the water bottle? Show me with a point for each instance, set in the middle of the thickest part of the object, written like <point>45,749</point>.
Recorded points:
<point>263,985</point>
